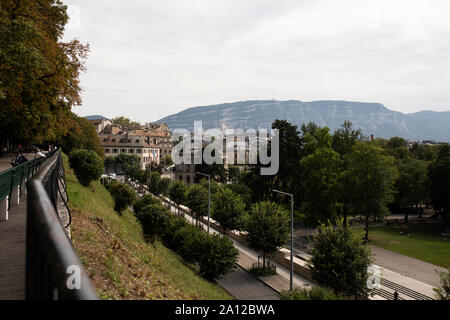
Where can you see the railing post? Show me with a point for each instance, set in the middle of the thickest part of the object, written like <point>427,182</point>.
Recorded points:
<point>4,209</point>
<point>11,189</point>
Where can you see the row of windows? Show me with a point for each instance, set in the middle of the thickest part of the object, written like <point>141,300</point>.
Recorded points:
<point>123,150</point>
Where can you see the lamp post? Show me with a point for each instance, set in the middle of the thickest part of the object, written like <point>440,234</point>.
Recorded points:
<point>209,194</point>
<point>292,235</point>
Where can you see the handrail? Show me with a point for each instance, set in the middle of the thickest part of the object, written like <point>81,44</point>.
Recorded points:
<point>53,270</point>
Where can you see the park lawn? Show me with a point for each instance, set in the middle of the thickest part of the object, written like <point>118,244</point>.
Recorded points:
<point>424,242</point>
<point>120,263</point>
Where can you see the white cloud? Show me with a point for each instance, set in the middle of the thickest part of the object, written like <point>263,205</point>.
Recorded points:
<point>150,59</point>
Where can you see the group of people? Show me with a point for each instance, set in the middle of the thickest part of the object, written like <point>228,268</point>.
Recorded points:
<point>20,158</point>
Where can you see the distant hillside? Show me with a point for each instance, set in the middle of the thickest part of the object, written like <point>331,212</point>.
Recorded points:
<point>371,118</point>
<point>96,117</point>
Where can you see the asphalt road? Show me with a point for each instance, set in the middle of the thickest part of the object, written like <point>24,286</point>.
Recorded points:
<point>244,286</point>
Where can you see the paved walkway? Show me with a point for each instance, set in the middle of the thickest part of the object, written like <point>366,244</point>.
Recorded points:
<point>244,286</point>
<point>12,253</point>
<point>5,160</point>
<point>407,266</point>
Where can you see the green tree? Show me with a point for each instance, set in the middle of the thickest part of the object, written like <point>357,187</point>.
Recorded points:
<point>164,185</point>
<point>371,176</point>
<point>228,209</point>
<point>345,138</point>
<point>146,200</point>
<point>439,175</point>
<point>444,292</point>
<point>196,199</point>
<point>177,192</point>
<point>340,259</point>
<point>154,219</point>
<point>412,185</point>
<point>268,228</point>
<point>87,165</point>
<point>243,191</point>
<point>123,196</point>
<point>218,256</point>
<point>320,179</point>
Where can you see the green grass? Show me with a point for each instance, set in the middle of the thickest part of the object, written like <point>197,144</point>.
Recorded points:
<point>424,242</point>
<point>121,264</point>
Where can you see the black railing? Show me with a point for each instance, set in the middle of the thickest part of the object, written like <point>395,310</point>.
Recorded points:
<point>53,270</point>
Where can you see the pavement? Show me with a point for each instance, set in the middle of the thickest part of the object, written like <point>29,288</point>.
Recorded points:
<point>5,160</point>
<point>407,266</point>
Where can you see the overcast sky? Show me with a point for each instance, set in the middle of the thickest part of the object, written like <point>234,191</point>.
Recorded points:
<point>153,58</point>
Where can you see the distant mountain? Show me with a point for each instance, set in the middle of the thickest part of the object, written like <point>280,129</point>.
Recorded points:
<point>96,117</point>
<point>371,118</point>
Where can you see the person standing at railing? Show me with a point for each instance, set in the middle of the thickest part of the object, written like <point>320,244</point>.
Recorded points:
<point>38,154</point>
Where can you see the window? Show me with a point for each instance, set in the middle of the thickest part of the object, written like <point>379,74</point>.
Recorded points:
<point>113,140</point>
<point>130,150</point>
<point>138,151</point>
<point>137,140</point>
<point>115,151</point>
<point>188,179</point>
<point>106,150</point>
<point>123,151</point>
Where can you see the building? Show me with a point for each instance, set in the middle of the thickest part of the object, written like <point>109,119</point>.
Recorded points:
<point>124,143</point>
<point>99,122</point>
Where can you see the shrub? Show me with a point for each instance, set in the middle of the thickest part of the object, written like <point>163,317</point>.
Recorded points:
<point>154,219</point>
<point>444,292</point>
<point>87,165</point>
<point>187,242</point>
<point>164,185</point>
<point>143,202</point>
<point>123,196</point>
<point>315,293</point>
<point>218,256</point>
<point>175,223</point>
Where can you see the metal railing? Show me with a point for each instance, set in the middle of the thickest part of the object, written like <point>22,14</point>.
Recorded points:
<point>53,270</point>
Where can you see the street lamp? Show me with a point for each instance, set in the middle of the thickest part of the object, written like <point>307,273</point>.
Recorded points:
<point>209,194</point>
<point>292,234</point>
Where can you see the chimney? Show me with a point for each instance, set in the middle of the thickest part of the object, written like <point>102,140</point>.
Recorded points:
<point>371,137</point>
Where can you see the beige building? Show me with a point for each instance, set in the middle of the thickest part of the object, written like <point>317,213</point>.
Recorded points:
<point>132,144</point>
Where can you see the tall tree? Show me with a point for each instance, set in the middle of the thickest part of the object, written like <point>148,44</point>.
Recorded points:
<point>228,209</point>
<point>39,73</point>
<point>268,228</point>
<point>196,199</point>
<point>370,176</point>
<point>439,174</point>
<point>177,191</point>
<point>320,179</point>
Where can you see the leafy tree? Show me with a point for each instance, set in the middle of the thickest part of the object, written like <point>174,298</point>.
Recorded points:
<point>87,165</point>
<point>154,219</point>
<point>370,177</point>
<point>444,292</point>
<point>196,199</point>
<point>243,191</point>
<point>314,137</point>
<point>177,191</point>
<point>340,259</point>
<point>123,196</point>
<point>228,209</point>
<point>439,175</point>
<point>188,241</point>
<point>214,185</point>
<point>268,228</point>
<point>146,200</point>
<point>154,183</point>
<point>167,160</point>
<point>81,135</point>
<point>126,123</point>
<point>412,185</point>
<point>218,256</point>
<point>315,293</point>
<point>320,179</point>
<point>345,138</point>
<point>397,147</point>
<point>164,185</point>
<point>422,152</point>
<point>39,73</point>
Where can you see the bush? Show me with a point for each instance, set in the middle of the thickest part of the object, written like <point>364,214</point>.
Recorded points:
<point>143,202</point>
<point>154,219</point>
<point>175,224</point>
<point>87,165</point>
<point>123,196</point>
<point>187,242</point>
<point>218,256</point>
<point>444,292</point>
<point>164,185</point>
<point>315,293</point>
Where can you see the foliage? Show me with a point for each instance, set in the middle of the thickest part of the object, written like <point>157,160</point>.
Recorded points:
<point>123,196</point>
<point>154,219</point>
<point>126,123</point>
<point>196,199</point>
<point>154,183</point>
<point>177,191</point>
<point>243,191</point>
<point>188,241</point>
<point>315,293</point>
<point>88,166</point>
<point>345,138</point>
<point>370,177</point>
<point>146,200</point>
<point>81,135</point>
<point>39,73</point>
<point>340,259</point>
<point>164,185</point>
<point>321,176</point>
<point>218,256</point>
<point>439,175</point>
<point>444,292</point>
<point>228,209</point>
<point>268,228</point>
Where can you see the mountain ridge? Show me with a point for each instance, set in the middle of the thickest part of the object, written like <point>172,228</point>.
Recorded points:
<point>371,118</point>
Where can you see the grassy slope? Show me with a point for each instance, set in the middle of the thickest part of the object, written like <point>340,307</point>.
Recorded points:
<point>120,263</point>
<point>424,242</point>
